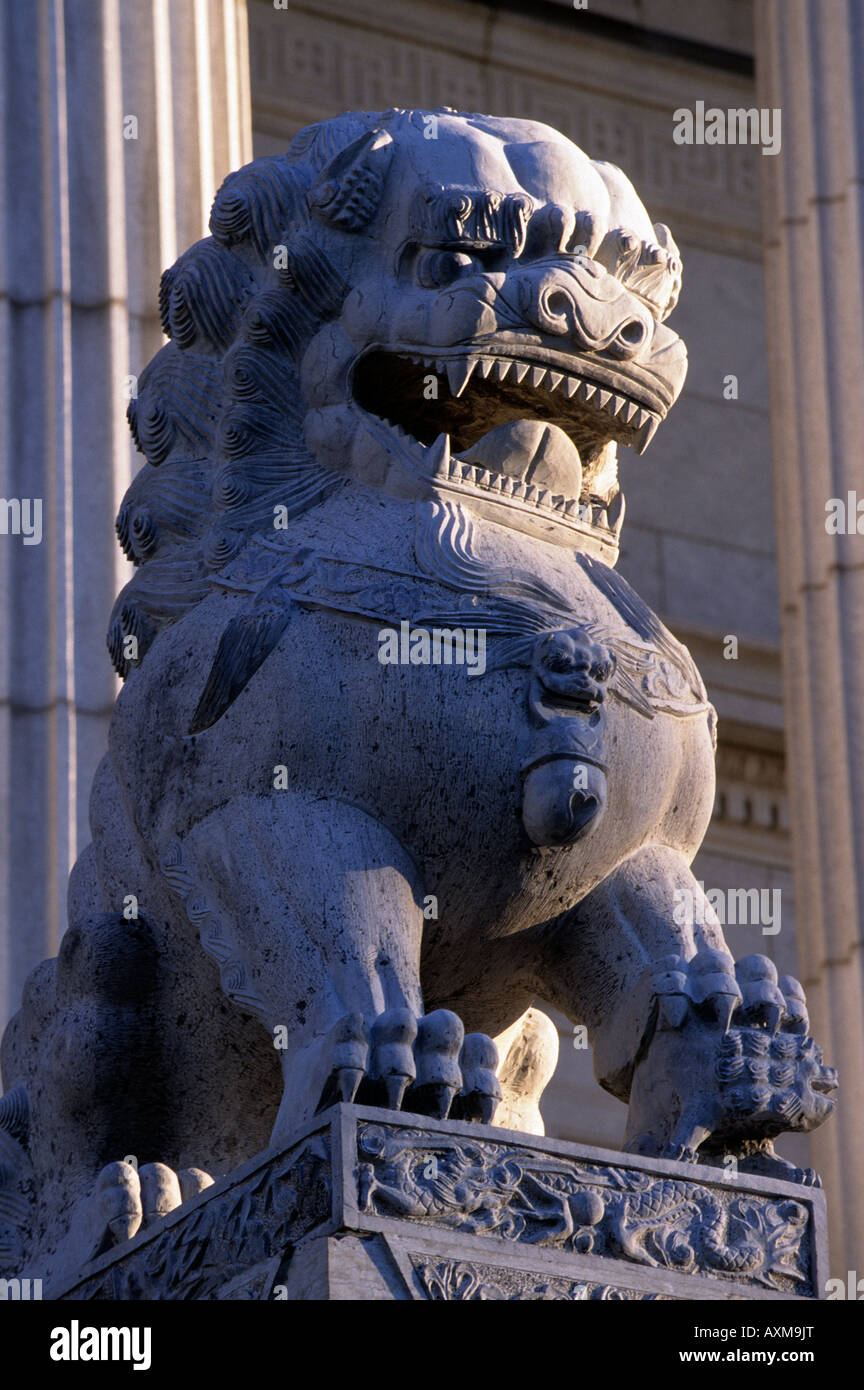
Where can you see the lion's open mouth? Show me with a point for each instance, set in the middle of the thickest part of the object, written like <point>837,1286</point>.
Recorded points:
<point>826,1082</point>
<point>474,393</point>
<point>526,433</point>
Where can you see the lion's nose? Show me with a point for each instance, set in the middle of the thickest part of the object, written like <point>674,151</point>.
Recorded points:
<point>552,300</point>
<point>548,302</point>
<point>633,333</point>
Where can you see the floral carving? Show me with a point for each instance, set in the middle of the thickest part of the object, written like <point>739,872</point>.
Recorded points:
<point>461,1281</point>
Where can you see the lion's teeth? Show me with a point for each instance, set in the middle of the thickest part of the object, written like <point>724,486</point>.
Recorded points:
<point>571,507</point>
<point>646,434</point>
<point>439,365</point>
<point>557,502</point>
<point>604,398</point>
<point>615,514</point>
<point>586,391</point>
<point>485,364</point>
<point>469,473</point>
<point>632,407</point>
<point>518,488</point>
<point>542,495</point>
<point>571,386</point>
<point>522,370</point>
<point>538,376</point>
<point>437,457</point>
<point>530,490</point>
<point>553,380</point>
<point>459,370</point>
<point>618,404</point>
<point>502,367</point>
<point>507,486</point>
<point>484,478</point>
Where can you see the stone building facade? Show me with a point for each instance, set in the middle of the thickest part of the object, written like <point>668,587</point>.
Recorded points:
<point>118,122</point>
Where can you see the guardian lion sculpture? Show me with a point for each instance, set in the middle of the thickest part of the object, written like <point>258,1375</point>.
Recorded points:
<point>397,376</point>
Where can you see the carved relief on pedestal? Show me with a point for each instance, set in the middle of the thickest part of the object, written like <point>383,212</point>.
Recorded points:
<point>583,1208</point>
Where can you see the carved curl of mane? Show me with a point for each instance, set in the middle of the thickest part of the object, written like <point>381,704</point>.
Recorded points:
<point>218,415</point>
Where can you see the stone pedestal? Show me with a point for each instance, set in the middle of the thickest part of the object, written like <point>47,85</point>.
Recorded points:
<point>369,1204</point>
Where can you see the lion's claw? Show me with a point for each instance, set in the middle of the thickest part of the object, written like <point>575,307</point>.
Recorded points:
<point>129,1199</point>
<point>425,1065</point>
<point>481,1089</point>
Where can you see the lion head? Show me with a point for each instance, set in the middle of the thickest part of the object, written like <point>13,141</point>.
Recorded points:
<point>430,303</point>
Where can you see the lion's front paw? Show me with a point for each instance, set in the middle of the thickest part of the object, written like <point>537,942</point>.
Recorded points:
<point>727,1061</point>
<point>425,1065</point>
<point>129,1199</point>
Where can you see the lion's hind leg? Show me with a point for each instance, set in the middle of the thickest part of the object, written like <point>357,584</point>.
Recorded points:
<point>316,911</point>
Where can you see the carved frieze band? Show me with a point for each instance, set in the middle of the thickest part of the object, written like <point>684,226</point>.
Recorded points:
<point>306,65</point>
<point>751,787</point>
<point>464,1281</point>
<point>562,1203</point>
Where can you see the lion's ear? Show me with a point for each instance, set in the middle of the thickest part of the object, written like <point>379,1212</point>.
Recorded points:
<point>348,191</point>
<point>244,646</point>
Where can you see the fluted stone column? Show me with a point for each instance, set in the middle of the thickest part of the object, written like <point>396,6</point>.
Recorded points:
<point>809,63</point>
<point>118,120</point>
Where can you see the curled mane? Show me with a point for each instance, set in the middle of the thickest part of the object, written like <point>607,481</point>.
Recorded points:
<point>219,414</point>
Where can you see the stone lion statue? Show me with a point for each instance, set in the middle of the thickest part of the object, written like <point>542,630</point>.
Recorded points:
<point>385,424</point>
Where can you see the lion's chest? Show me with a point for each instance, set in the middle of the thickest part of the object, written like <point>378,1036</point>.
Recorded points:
<point>431,737</point>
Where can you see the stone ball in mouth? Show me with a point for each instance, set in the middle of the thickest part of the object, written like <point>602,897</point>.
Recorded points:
<point>532,450</point>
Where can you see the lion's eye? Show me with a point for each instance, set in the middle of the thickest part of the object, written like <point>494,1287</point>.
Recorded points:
<point>559,661</point>
<point>438,268</point>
